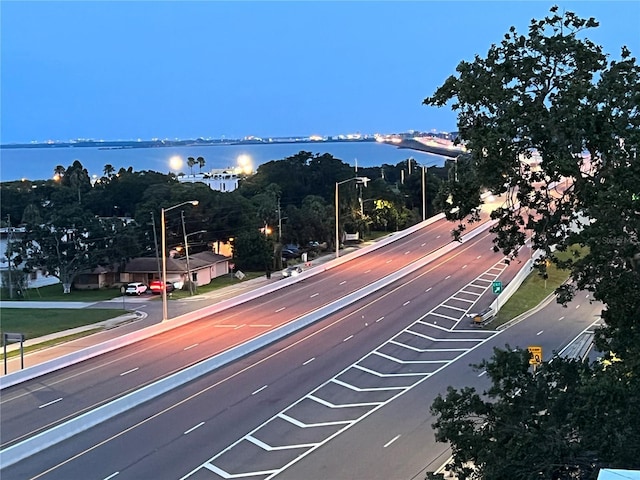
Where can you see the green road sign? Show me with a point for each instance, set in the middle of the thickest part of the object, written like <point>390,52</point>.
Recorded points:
<point>496,287</point>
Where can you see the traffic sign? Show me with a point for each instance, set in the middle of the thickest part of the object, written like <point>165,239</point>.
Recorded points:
<point>536,355</point>
<point>496,287</point>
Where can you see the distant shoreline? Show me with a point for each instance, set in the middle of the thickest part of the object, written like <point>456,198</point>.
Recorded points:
<point>405,143</point>
<point>121,144</point>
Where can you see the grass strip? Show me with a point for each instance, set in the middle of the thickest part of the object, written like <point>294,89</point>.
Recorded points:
<point>37,322</point>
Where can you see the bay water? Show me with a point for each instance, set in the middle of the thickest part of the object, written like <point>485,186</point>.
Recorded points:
<point>39,163</point>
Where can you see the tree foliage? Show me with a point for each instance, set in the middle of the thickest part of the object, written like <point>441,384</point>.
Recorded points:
<point>564,421</point>
<point>557,94</point>
<point>554,93</point>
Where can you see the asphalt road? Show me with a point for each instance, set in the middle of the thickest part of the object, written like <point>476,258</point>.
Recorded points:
<point>345,398</point>
<point>43,402</point>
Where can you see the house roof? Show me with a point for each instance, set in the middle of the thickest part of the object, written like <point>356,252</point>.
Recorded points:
<point>150,265</point>
<point>175,265</point>
<point>205,259</point>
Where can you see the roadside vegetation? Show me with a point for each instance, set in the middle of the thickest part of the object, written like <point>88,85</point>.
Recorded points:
<point>535,289</point>
<point>552,94</point>
<point>36,322</point>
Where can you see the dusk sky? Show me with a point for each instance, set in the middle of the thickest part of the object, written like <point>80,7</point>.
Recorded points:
<point>119,70</point>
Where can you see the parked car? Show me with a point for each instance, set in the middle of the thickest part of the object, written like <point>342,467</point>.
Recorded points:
<point>136,288</point>
<point>292,271</point>
<point>156,287</point>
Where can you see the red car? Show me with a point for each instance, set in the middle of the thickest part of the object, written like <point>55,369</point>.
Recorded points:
<point>156,287</point>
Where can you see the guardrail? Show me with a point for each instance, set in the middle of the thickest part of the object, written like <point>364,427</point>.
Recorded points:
<point>48,438</point>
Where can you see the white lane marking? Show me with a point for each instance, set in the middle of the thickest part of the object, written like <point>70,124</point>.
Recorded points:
<point>348,338</point>
<point>438,236</point>
<point>342,282</point>
<point>368,271</point>
<point>50,403</point>
<point>428,289</point>
<point>577,306</point>
<point>225,326</point>
<point>112,475</point>
<point>260,325</point>
<point>587,296</point>
<point>259,390</point>
<point>314,295</point>
<point>406,303</point>
<point>539,333</point>
<point>379,319</point>
<point>482,373</point>
<point>193,428</point>
<point>478,257</point>
<point>190,346</point>
<point>280,309</point>
<point>388,261</point>
<point>129,371</point>
<point>423,244</point>
<point>561,318</point>
<point>464,266</point>
<point>309,361</point>
<point>447,277</point>
<point>407,252</point>
<point>243,325</point>
<point>391,441</point>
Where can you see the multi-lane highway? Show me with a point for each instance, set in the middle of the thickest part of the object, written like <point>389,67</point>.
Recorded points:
<point>45,401</point>
<point>296,398</point>
<point>345,398</point>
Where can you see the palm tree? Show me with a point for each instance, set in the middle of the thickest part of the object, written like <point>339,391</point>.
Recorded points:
<point>58,172</point>
<point>191,162</point>
<point>201,162</point>
<point>108,170</point>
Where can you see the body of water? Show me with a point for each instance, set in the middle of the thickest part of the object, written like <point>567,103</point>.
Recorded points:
<point>39,163</point>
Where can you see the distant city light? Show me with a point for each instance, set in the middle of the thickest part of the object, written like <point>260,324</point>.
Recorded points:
<point>175,162</point>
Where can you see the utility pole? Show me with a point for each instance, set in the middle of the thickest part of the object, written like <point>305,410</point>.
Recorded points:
<point>155,240</point>
<point>279,222</point>
<point>9,254</point>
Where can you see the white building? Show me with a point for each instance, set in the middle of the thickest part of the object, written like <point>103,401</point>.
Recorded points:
<point>220,180</point>
<point>20,279</point>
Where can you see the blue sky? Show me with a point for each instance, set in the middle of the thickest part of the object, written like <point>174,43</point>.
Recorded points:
<point>178,69</point>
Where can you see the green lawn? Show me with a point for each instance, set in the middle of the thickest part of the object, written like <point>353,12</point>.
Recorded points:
<point>533,291</point>
<point>36,322</point>
<point>54,293</point>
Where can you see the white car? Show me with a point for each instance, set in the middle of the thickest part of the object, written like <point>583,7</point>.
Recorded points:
<point>292,271</point>
<point>136,288</point>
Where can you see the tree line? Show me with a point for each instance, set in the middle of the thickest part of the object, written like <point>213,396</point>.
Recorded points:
<point>73,223</point>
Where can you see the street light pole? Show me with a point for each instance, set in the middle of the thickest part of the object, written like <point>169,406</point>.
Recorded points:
<point>359,180</point>
<point>165,315</point>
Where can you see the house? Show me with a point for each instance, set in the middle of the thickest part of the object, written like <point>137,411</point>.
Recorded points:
<point>204,267</point>
<point>145,269</point>
<point>99,277</point>
<point>20,279</point>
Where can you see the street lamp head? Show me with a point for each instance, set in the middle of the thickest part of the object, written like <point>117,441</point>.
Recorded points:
<point>194,202</point>
<point>363,180</point>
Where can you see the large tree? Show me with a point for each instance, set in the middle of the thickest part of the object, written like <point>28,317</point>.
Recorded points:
<point>564,421</point>
<point>555,94</point>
